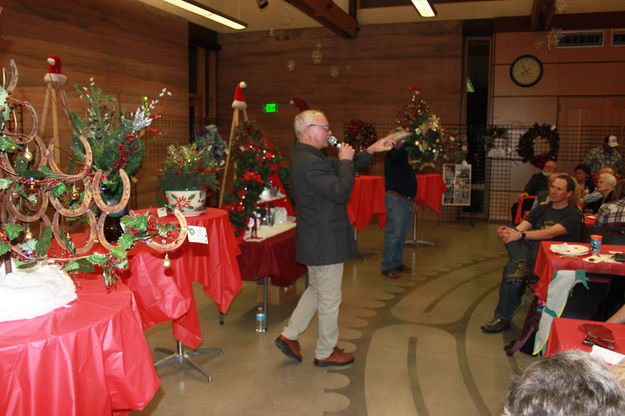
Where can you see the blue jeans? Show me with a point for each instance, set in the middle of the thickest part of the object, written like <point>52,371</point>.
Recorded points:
<point>398,218</point>
<point>520,251</point>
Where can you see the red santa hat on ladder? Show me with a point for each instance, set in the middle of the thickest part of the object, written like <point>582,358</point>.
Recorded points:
<point>299,103</point>
<point>239,101</point>
<point>54,71</point>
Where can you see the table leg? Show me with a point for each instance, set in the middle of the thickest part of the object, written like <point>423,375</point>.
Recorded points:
<point>221,318</point>
<point>184,357</point>
<point>363,253</point>
<point>414,241</point>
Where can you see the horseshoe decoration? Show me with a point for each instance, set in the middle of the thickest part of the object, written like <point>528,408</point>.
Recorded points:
<point>56,230</point>
<point>23,138</point>
<point>14,76</point>
<point>182,221</point>
<point>78,176</point>
<point>76,212</point>
<point>28,218</point>
<point>95,188</point>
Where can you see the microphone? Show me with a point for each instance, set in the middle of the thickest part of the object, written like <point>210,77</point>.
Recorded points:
<point>333,141</point>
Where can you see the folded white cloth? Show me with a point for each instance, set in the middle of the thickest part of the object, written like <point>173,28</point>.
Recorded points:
<point>28,293</point>
<point>557,295</point>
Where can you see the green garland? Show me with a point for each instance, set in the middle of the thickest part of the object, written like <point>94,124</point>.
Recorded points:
<point>255,161</point>
<point>360,134</point>
<point>525,148</point>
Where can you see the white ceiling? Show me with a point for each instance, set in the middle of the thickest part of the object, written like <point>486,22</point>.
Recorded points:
<point>279,15</point>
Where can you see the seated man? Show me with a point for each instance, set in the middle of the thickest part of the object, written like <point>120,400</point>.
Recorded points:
<point>558,220</point>
<point>572,383</point>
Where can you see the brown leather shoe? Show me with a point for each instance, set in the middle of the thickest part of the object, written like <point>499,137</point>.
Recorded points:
<point>338,357</point>
<point>289,347</point>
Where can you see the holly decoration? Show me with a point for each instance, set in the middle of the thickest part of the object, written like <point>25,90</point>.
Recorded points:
<point>360,134</point>
<point>255,160</point>
<point>545,132</point>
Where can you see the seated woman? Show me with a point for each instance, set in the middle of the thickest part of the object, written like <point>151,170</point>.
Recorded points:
<point>613,213</point>
<point>602,193</point>
<point>584,179</point>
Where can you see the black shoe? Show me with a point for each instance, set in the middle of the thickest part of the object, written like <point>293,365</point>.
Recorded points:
<point>392,273</point>
<point>496,325</point>
<point>404,269</point>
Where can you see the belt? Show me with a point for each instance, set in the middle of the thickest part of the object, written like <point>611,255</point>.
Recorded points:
<point>397,194</point>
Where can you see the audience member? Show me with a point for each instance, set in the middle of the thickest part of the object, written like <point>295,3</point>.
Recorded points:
<point>613,213</point>
<point>543,196</point>
<point>584,179</point>
<point>570,383</point>
<point>602,193</point>
<point>605,156</point>
<point>538,182</point>
<point>558,220</point>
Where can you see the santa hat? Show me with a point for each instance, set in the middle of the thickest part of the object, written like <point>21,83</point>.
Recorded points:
<point>54,64</point>
<point>239,101</point>
<point>299,103</point>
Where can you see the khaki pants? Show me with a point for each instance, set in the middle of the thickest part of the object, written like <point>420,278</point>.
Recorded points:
<point>323,295</point>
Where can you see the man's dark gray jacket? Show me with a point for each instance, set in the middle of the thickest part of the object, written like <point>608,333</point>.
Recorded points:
<point>321,189</point>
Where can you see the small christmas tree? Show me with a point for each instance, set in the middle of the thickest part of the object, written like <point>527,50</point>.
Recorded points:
<point>428,140</point>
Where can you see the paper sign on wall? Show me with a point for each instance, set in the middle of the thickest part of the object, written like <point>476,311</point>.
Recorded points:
<point>197,234</point>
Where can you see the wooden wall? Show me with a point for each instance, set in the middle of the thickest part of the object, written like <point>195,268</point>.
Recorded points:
<point>132,50</point>
<point>376,71</point>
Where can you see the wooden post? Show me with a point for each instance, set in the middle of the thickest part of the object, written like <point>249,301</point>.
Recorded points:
<point>233,127</point>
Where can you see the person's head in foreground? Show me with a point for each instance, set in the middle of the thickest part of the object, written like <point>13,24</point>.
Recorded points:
<point>570,383</point>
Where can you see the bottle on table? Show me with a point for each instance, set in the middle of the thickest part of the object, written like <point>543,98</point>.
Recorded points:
<point>261,323</point>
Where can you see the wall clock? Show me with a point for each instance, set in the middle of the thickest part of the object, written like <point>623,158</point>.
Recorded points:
<point>526,70</point>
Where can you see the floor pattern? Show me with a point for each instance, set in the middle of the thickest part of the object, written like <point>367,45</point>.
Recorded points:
<point>417,342</point>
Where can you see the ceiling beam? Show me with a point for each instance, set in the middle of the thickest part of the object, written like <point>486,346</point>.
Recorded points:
<point>329,15</point>
<point>542,14</point>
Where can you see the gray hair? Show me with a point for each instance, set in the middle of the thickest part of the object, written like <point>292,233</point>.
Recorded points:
<point>302,120</point>
<point>609,178</point>
<point>570,383</point>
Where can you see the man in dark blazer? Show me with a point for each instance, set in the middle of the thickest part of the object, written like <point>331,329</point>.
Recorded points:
<point>324,237</point>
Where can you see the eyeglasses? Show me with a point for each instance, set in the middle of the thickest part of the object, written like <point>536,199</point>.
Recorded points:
<point>320,126</point>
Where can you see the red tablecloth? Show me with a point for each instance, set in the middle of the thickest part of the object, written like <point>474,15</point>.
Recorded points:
<point>565,335</point>
<point>430,190</point>
<point>214,265</point>
<point>273,257</point>
<point>367,199</point>
<point>548,262</point>
<point>88,359</point>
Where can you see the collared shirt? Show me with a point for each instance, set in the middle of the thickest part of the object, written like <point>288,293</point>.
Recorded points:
<point>612,213</point>
<point>598,158</point>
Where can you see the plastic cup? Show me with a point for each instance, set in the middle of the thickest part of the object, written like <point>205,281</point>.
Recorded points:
<point>595,243</point>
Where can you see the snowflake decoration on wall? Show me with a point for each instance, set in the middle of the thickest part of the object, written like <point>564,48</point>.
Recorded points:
<point>335,71</point>
<point>290,66</point>
<point>286,15</point>
<point>561,6</point>
<point>553,38</point>
<point>316,55</point>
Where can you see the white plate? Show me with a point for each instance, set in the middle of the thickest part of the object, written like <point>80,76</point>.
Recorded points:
<point>570,249</point>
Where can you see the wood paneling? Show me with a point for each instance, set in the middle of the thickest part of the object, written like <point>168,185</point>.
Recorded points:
<point>376,71</point>
<point>130,49</point>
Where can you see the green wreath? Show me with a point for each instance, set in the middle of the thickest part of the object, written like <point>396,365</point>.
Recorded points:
<point>526,144</point>
<point>360,134</point>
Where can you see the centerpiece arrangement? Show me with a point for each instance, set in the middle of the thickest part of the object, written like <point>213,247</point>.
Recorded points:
<point>33,189</point>
<point>115,136</point>
<point>190,171</point>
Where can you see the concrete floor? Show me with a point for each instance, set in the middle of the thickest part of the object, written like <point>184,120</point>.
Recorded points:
<point>417,341</point>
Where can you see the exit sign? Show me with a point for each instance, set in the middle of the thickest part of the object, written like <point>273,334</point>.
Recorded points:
<point>270,108</point>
